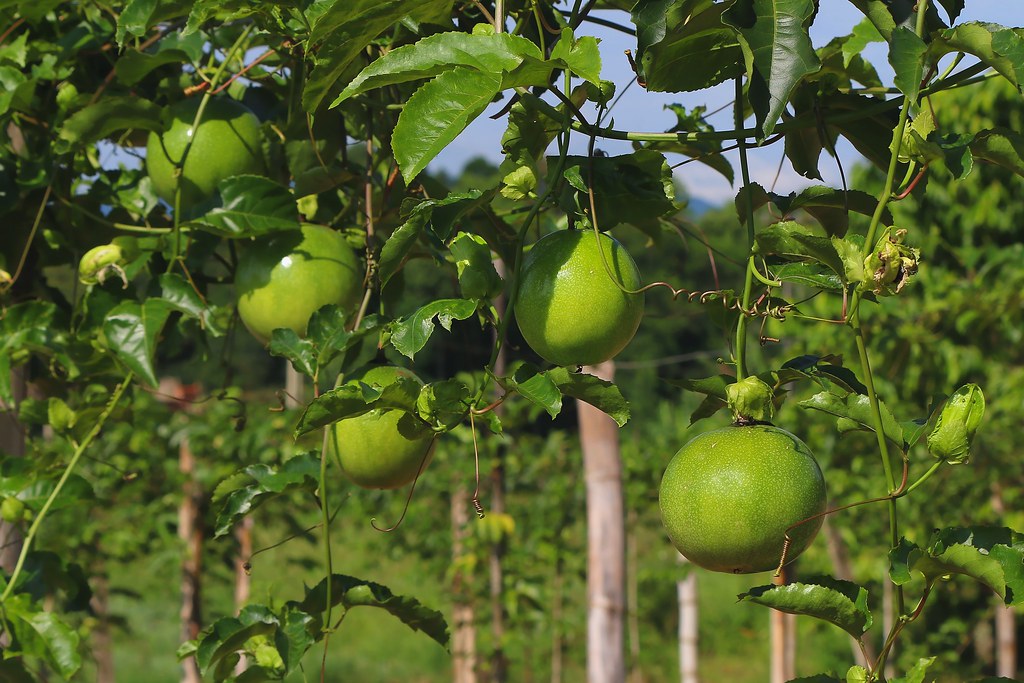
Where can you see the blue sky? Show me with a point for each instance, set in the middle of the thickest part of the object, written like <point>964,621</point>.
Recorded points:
<point>639,110</point>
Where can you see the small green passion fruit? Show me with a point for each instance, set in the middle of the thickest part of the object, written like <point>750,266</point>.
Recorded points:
<point>383,448</point>
<point>227,142</point>
<point>729,496</point>
<point>575,306</point>
<point>283,278</point>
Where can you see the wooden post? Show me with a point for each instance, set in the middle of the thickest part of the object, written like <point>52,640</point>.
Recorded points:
<point>606,540</point>
<point>686,592</point>
<point>463,618</point>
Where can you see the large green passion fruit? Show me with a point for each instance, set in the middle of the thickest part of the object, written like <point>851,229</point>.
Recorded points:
<point>729,495</point>
<point>226,143</point>
<point>283,278</point>
<point>571,307</point>
<point>384,448</point>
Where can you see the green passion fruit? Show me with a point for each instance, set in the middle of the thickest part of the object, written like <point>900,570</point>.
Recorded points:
<point>729,495</point>
<point>227,142</point>
<point>384,448</point>
<point>571,307</point>
<point>283,278</point>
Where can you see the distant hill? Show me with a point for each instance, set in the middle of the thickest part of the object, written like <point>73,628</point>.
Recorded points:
<point>698,207</point>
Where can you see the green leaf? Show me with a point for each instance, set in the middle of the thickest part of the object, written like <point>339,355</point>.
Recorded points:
<point>862,35</point>
<point>636,189</point>
<point>906,55</point>
<point>441,214</point>
<point>44,634</point>
<point>286,343</point>
<point>917,672</point>
<point>134,19</point>
<point>473,261</point>
<point>348,400</point>
<point>794,241</point>
<point>581,57</point>
<point>409,335</point>
<point>854,413</point>
<point>351,592</point>
<point>773,34</point>
<point>838,602</point>
<point>132,331</point>
<point>437,112</point>
<point>344,30</point>
<point>399,244</point>
<point>259,484</point>
<point>224,637</point>
<point>183,297</point>
<point>682,45</point>
<point>109,115</point>
<point>536,387</point>
<point>494,54</point>
<point>599,393</point>
<point>328,333</point>
<point>250,206</point>
<point>23,325</point>
<point>133,66</point>
<point>444,404</point>
<point>997,46</point>
<point>829,206</point>
<point>809,275</point>
<point>1002,147</point>
<point>957,424</point>
<point>532,125</point>
<point>993,556</point>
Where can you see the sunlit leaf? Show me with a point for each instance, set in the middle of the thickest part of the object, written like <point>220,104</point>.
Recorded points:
<point>838,602</point>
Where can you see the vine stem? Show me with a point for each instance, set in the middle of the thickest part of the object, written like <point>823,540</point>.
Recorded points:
<point>748,282</point>
<point>860,339</point>
<point>328,556</point>
<point>115,398</point>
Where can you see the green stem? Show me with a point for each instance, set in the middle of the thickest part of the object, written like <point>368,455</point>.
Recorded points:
<point>924,477</point>
<point>75,457</point>
<point>854,318</point>
<point>748,282</point>
<point>328,558</point>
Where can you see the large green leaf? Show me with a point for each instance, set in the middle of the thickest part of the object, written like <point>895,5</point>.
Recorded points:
<point>906,55</point>
<point>437,112</point>
<point>133,65</point>
<point>599,393</point>
<point>535,386</point>
<point>776,44</point>
<point>854,413</point>
<point>636,189</point>
<point>343,31</point>
<point>351,592</point>
<point>44,634</point>
<point>794,241</point>
<point>838,602</point>
<point>347,400</point>
<point>132,331</point>
<point>993,556</point>
<point>997,46</point>
<point>682,45</point>
<point>23,325</point>
<point>494,53</point>
<point>109,115</point>
<point>409,335</point>
<point>1000,146</point>
<point>250,206</point>
<point>258,484</point>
